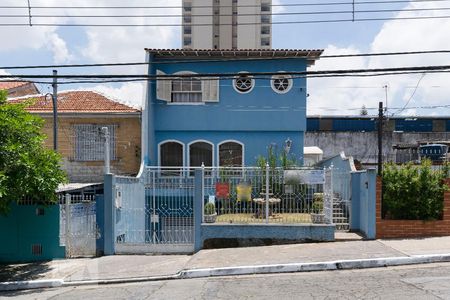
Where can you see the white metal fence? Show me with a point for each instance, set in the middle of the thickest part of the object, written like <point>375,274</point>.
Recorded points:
<point>78,227</point>
<point>266,195</point>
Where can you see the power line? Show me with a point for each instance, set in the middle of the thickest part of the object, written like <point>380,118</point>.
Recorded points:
<point>230,15</point>
<point>72,79</point>
<point>211,6</point>
<point>412,95</point>
<point>226,24</point>
<point>221,60</point>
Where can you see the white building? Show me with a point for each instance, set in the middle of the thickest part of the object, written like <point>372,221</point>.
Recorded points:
<point>227,24</point>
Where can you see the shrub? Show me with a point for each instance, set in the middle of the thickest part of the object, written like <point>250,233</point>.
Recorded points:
<point>210,208</point>
<point>413,192</point>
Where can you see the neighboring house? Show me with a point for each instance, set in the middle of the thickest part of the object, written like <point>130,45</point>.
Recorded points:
<point>228,121</point>
<point>18,88</point>
<point>227,24</point>
<point>81,115</point>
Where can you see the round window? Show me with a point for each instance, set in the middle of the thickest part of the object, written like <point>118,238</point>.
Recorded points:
<point>244,83</point>
<point>281,83</point>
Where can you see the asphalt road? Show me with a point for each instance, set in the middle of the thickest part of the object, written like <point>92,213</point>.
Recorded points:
<point>409,282</point>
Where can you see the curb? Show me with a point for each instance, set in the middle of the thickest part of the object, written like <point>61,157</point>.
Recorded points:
<point>30,284</point>
<point>240,270</point>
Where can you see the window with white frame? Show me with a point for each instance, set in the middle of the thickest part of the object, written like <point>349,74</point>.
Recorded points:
<point>200,152</point>
<point>186,89</point>
<point>230,154</point>
<point>244,83</point>
<point>281,83</point>
<point>171,154</point>
<point>90,144</point>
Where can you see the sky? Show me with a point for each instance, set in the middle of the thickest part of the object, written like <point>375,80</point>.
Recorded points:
<point>404,94</point>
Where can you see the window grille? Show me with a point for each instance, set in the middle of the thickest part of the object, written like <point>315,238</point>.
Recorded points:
<point>89,142</point>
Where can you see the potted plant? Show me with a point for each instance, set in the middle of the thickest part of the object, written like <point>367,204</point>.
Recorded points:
<point>210,213</point>
<point>317,216</point>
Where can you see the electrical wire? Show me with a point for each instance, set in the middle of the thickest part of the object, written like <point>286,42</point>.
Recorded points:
<point>225,24</point>
<point>412,95</point>
<point>231,15</point>
<point>222,60</point>
<point>211,6</point>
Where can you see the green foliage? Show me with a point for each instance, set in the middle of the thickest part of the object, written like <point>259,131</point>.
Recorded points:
<point>210,208</point>
<point>27,168</point>
<point>317,203</point>
<point>283,160</point>
<point>413,192</point>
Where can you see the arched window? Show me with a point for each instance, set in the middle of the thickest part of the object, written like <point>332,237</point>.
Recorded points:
<point>171,154</point>
<point>200,152</point>
<point>231,154</point>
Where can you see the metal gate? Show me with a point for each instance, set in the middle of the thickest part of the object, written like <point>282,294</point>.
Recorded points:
<point>155,212</point>
<point>78,227</point>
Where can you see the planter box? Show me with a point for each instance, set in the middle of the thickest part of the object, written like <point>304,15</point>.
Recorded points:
<point>318,218</point>
<point>210,218</point>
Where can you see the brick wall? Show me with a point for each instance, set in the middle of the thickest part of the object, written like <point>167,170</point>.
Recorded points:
<point>128,146</point>
<point>411,228</point>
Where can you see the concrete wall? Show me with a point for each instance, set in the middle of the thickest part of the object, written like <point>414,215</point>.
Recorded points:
<point>363,146</point>
<point>128,145</point>
<point>280,232</point>
<point>22,228</point>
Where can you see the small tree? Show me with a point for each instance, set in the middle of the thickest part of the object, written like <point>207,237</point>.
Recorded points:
<point>27,168</point>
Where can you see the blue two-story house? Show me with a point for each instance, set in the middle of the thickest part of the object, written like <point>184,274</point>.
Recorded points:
<point>224,120</point>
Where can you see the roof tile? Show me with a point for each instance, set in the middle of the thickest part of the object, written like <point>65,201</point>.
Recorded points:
<point>76,102</point>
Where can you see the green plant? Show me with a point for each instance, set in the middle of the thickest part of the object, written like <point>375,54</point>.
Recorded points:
<point>317,205</point>
<point>27,168</point>
<point>210,208</point>
<point>413,192</point>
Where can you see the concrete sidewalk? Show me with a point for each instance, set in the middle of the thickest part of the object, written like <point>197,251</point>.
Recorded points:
<point>249,260</point>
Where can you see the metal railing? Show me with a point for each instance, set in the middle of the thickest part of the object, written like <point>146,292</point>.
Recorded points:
<point>264,195</point>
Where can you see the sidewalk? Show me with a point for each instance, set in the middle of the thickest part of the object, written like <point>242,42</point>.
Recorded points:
<point>255,259</point>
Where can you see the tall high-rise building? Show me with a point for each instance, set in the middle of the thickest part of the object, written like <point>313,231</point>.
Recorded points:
<point>227,24</point>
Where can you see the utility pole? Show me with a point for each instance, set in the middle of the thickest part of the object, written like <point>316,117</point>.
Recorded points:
<point>55,110</point>
<point>380,138</point>
<point>106,136</point>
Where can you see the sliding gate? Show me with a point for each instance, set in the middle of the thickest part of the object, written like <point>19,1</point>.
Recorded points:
<point>154,213</point>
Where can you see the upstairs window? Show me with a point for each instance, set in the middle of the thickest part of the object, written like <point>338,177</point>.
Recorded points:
<point>90,143</point>
<point>243,83</point>
<point>281,83</point>
<point>188,89</point>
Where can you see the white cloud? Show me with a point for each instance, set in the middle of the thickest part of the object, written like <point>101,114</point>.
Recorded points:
<point>130,93</point>
<point>59,49</point>
<point>395,36</point>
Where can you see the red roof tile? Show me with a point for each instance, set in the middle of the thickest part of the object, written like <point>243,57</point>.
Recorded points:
<point>76,102</point>
<point>7,85</point>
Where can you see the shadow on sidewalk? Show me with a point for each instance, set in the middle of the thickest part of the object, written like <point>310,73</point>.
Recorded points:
<point>26,271</point>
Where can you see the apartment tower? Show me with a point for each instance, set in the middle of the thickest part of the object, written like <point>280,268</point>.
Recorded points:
<point>227,24</point>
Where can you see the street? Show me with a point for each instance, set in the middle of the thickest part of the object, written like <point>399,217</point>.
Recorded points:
<point>408,282</point>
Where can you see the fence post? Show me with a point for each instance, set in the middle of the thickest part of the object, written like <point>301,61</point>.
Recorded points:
<point>110,214</point>
<point>68,215</point>
<point>203,192</point>
<point>267,193</point>
<point>198,212</point>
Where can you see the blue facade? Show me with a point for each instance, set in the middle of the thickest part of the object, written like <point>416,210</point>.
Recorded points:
<point>256,119</point>
<point>422,125</point>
